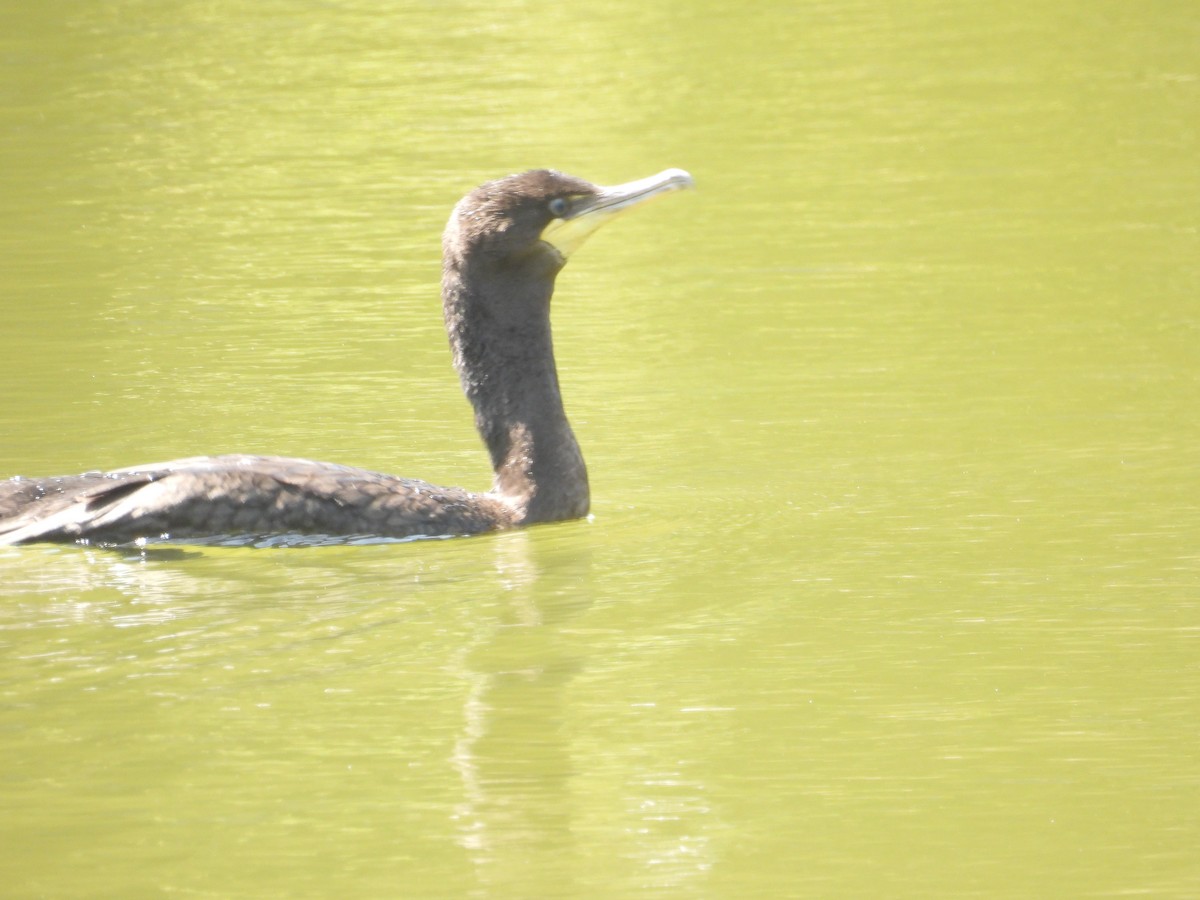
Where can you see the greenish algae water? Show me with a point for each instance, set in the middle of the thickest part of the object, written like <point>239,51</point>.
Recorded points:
<point>892,586</point>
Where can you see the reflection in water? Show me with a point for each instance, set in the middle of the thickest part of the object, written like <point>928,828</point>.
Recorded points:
<point>99,586</point>
<point>519,818</point>
<point>515,816</point>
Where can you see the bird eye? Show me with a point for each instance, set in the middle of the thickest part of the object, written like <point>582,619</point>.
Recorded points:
<point>558,207</point>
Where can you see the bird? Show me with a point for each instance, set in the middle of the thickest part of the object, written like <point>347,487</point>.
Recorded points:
<point>504,245</point>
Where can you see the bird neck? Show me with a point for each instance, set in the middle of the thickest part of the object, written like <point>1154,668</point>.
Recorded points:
<point>499,327</point>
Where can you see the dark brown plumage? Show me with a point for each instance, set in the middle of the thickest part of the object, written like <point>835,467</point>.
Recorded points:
<point>502,249</point>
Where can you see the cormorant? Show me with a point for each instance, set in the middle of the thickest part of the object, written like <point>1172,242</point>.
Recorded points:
<point>501,250</point>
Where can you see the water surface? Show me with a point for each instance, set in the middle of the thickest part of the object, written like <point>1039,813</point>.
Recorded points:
<point>892,583</point>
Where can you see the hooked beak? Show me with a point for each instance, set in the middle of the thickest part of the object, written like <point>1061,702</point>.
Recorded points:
<point>588,213</point>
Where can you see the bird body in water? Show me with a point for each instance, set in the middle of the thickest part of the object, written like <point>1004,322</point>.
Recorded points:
<point>502,249</point>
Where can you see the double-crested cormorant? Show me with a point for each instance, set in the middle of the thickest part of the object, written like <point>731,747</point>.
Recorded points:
<point>505,243</point>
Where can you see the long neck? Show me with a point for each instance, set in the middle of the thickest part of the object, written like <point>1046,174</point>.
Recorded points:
<point>498,320</point>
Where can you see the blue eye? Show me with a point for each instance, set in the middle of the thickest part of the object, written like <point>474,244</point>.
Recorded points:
<point>558,207</point>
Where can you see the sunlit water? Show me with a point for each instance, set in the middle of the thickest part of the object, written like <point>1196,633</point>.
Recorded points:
<point>892,586</point>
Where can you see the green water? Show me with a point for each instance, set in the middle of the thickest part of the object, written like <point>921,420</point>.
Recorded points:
<point>892,586</point>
